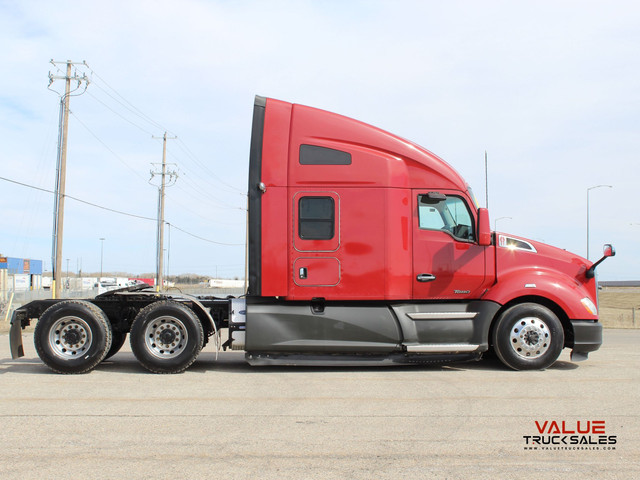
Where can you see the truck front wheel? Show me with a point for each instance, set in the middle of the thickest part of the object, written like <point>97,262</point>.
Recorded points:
<point>166,337</point>
<point>528,337</point>
<point>72,336</point>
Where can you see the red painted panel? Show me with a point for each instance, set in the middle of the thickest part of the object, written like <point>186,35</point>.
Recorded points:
<point>276,143</point>
<point>275,213</point>
<point>316,272</point>
<point>399,239</point>
<point>275,227</point>
<point>458,266</point>
<point>361,252</point>
<point>379,158</point>
<point>546,272</point>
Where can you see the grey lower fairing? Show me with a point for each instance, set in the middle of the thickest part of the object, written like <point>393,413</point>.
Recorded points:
<point>308,328</point>
<point>446,326</point>
<point>296,332</point>
<point>353,361</point>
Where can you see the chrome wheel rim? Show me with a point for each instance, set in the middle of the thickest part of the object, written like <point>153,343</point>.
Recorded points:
<point>70,337</point>
<point>166,337</point>
<point>530,337</point>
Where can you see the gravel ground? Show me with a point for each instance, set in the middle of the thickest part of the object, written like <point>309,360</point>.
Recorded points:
<point>225,419</point>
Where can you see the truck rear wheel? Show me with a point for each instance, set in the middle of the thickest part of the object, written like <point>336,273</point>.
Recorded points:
<point>528,337</point>
<point>166,337</point>
<point>117,341</point>
<point>72,336</point>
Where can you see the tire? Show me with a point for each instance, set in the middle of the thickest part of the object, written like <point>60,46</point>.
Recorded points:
<point>166,337</point>
<point>117,341</point>
<point>528,337</point>
<point>72,336</point>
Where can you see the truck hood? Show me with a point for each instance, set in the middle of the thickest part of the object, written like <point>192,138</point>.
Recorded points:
<point>514,252</point>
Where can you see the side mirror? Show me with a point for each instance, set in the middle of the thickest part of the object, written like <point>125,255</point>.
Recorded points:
<point>608,251</point>
<point>484,228</point>
<point>432,198</point>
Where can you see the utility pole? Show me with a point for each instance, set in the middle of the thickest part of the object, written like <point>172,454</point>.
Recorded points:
<point>61,169</point>
<point>173,175</point>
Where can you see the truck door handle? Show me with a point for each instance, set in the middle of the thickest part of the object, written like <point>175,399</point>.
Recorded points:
<point>425,277</point>
<point>302,273</point>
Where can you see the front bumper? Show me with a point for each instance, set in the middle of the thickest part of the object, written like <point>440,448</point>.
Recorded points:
<point>587,337</point>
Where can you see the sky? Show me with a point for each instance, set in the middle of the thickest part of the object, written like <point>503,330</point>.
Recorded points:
<point>549,89</point>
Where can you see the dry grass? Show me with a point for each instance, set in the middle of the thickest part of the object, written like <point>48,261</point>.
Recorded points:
<point>619,307</point>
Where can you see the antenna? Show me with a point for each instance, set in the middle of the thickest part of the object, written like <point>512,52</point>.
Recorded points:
<point>486,181</point>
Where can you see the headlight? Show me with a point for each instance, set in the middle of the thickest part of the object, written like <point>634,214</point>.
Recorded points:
<point>590,307</point>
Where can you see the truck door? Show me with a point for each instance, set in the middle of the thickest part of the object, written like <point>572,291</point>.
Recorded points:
<point>316,239</point>
<point>448,263</point>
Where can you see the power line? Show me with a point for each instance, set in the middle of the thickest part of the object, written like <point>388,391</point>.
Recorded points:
<point>106,146</point>
<point>120,100</point>
<point>118,114</point>
<point>77,199</point>
<point>129,106</point>
<point>137,112</point>
<point>203,166</point>
<point>206,240</point>
<point>202,194</point>
<point>120,212</point>
<point>191,210</point>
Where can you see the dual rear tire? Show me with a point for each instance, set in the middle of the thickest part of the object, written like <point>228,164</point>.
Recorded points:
<point>166,337</point>
<point>74,336</point>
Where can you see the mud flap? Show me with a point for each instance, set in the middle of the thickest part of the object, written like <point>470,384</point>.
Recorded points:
<point>15,336</point>
<point>579,356</point>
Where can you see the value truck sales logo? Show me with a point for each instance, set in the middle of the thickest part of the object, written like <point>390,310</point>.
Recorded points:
<point>570,435</point>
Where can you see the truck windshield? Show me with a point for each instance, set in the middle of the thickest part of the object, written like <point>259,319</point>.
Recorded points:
<point>450,215</point>
<point>473,197</point>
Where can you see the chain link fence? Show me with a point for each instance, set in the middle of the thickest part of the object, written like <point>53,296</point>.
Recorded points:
<point>10,300</point>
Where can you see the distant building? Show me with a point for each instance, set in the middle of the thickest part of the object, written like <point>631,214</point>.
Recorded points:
<point>620,283</point>
<point>19,274</point>
<point>225,283</point>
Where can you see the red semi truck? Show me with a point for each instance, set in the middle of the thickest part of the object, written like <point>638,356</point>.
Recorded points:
<point>364,248</point>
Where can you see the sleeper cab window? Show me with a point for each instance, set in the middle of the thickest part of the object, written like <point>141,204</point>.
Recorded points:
<point>316,218</point>
<point>315,155</point>
<point>447,213</point>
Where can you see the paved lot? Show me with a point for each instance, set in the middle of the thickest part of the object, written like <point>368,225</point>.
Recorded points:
<point>224,419</point>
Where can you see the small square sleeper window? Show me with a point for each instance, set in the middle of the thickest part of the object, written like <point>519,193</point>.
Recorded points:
<point>316,218</point>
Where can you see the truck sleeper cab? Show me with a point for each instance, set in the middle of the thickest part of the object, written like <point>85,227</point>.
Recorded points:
<point>364,248</point>
<point>387,253</point>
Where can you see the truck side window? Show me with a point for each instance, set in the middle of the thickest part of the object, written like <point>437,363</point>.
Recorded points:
<point>316,218</point>
<point>450,215</point>
<point>316,155</point>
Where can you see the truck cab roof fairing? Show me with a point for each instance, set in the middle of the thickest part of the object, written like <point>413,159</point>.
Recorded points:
<point>380,158</point>
<point>254,193</point>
